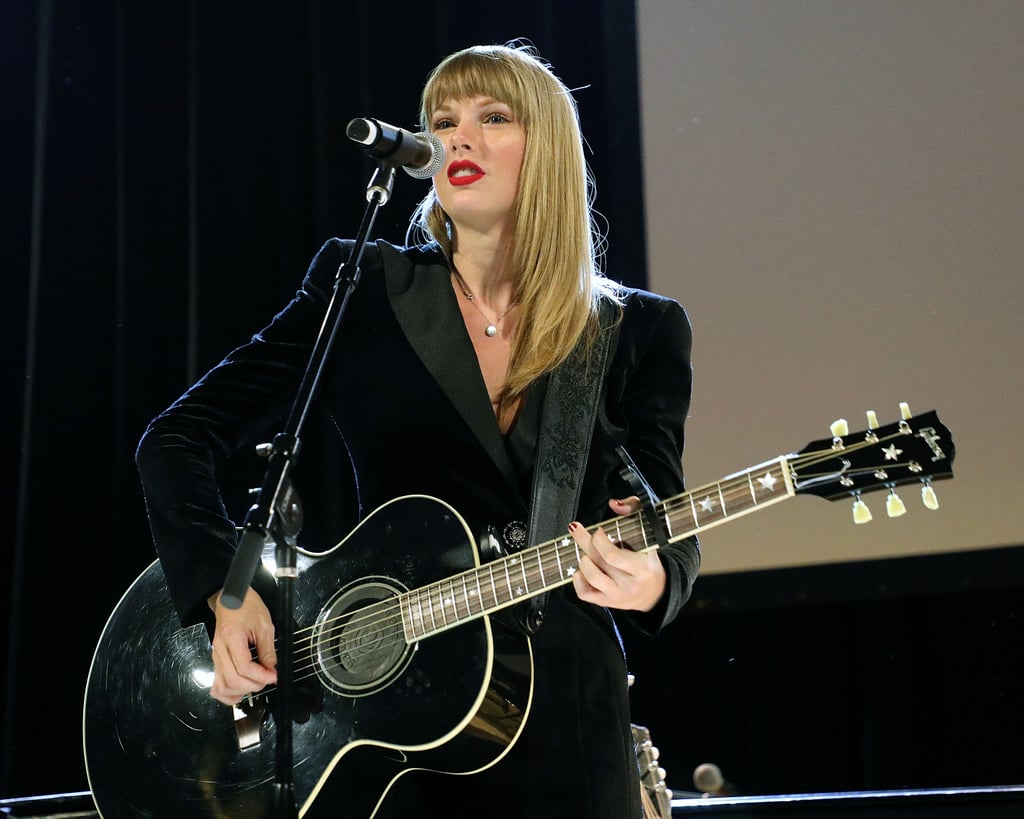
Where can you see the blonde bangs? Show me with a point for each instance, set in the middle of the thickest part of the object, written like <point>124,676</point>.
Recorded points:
<point>478,72</point>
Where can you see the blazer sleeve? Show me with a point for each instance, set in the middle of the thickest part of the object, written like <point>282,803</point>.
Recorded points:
<point>652,380</point>
<point>229,408</point>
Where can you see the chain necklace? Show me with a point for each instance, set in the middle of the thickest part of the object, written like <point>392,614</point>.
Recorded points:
<point>492,326</point>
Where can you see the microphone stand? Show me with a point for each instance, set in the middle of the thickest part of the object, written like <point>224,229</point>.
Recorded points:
<point>277,513</point>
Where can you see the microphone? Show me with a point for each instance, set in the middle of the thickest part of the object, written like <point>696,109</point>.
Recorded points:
<point>421,154</point>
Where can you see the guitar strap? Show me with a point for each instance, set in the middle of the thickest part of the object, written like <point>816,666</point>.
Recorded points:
<point>566,430</point>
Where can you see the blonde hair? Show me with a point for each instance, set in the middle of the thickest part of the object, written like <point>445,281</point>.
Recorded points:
<point>555,242</point>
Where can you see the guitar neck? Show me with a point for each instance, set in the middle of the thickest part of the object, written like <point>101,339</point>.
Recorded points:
<point>509,580</point>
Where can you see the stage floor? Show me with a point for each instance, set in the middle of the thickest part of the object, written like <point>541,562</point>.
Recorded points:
<point>953,803</point>
<point>961,803</point>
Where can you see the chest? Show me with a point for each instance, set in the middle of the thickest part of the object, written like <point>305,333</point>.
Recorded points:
<point>493,355</point>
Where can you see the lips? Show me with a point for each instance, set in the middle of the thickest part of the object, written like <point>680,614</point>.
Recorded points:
<point>464,172</point>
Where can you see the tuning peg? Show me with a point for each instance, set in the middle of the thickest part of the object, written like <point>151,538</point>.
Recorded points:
<point>861,513</point>
<point>928,497</point>
<point>905,412</point>
<point>894,507</point>
<point>839,428</point>
<point>872,419</point>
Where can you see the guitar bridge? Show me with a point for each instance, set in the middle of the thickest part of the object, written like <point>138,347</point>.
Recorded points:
<point>249,722</point>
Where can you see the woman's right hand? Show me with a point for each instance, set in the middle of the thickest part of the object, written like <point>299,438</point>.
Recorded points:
<point>238,670</point>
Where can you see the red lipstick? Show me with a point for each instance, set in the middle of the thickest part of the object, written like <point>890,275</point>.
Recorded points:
<point>464,172</point>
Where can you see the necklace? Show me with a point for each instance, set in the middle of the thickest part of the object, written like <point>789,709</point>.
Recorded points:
<point>492,326</point>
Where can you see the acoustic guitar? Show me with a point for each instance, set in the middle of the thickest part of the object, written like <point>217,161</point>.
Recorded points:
<point>397,663</point>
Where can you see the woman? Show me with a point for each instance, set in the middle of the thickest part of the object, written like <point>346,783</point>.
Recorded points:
<point>437,384</point>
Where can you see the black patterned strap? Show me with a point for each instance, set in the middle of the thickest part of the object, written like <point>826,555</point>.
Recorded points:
<point>567,427</point>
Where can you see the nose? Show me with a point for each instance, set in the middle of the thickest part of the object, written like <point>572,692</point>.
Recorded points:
<point>461,138</point>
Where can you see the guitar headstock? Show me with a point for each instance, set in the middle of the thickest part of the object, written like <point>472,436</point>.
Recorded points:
<point>915,449</point>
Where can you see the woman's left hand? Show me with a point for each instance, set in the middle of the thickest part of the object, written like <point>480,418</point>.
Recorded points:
<point>618,578</point>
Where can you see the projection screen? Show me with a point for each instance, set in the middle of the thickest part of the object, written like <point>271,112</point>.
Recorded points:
<point>834,192</point>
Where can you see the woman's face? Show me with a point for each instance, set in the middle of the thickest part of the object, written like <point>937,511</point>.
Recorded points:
<point>484,147</point>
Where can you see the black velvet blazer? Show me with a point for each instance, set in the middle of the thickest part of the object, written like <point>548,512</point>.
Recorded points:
<point>408,398</point>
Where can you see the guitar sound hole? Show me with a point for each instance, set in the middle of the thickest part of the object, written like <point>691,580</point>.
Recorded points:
<point>358,639</point>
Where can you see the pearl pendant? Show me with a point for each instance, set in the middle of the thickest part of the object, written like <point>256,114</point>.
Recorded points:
<point>491,331</point>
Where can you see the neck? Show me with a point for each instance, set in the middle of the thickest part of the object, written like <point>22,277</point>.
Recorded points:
<point>484,263</point>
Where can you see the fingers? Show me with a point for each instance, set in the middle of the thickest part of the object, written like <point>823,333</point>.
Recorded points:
<point>625,506</point>
<point>608,565</point>
<point>603,564</point>
<point>616,577</point>
<point>243,650</point>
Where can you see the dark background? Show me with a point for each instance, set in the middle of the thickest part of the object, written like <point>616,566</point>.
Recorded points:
<point>157,156</point>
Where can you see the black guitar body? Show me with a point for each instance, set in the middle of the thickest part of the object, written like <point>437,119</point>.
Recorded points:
<point>157,745</point>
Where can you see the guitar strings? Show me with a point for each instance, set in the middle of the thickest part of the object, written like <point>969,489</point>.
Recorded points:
<point>625,529</point>
<point>386,617</point>
<point>463,594</point>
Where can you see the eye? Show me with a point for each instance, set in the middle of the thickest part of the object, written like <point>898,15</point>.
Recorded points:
<point>497,118</point>
<point>443,122</point>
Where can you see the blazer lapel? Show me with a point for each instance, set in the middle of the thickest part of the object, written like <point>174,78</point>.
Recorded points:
<point>422,299</point>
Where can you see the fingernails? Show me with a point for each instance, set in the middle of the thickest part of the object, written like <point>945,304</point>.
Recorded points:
<point>573,526</point>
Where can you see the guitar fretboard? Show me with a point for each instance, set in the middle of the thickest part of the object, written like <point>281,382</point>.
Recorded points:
<point>530,572</point>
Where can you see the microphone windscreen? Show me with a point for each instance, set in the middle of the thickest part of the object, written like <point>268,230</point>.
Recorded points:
<point>436,160</point>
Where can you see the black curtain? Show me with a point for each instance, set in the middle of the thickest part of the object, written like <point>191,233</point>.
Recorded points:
<point>156,156</point>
